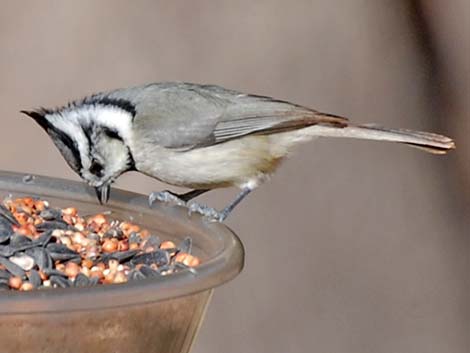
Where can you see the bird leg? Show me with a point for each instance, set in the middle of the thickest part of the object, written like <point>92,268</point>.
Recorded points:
<point>215,215</point>
<point>171,197</point>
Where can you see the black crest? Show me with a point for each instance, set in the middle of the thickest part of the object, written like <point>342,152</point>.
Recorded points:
<point>66,145</point>
<point>93,100</point>
<point>106,101</point>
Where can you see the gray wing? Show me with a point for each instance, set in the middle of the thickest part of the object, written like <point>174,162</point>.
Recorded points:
<point>264,116</point>
<point>185,116</point>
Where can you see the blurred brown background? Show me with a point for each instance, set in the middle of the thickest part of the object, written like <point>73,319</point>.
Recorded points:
<point>353,246</point>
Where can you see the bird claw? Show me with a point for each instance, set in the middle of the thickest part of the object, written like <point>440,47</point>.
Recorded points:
<point>165,197</point>
<point>211,213</point>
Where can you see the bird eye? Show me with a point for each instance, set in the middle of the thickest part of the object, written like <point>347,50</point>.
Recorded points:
<point>112,134</point>
<point>96,168</point>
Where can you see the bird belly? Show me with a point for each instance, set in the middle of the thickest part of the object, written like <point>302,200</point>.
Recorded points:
<point>245,161</point>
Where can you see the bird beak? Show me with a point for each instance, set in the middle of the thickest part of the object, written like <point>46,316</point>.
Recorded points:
<point>102,192</point>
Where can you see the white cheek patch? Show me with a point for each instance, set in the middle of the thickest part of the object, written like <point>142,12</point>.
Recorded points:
<point>115,119</point>
<point>115,154</point>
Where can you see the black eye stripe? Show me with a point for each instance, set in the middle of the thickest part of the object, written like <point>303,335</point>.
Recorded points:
<point>56,136</point>
<point>66,140</point>
<point>96,168</point>
<point>111,133</point>
<point>88,131</point>
<point>130,161</point>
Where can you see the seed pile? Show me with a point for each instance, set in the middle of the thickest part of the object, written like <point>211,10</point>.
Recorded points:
<point>45,247</point>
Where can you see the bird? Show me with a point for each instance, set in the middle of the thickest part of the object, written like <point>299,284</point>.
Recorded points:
<point>197,136</point>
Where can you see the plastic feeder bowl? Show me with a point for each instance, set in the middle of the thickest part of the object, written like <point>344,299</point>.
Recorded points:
<point>148,316</point>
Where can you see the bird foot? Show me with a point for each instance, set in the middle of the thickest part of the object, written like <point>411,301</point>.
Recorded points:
<point>165,197</point>
<point>210,213</point>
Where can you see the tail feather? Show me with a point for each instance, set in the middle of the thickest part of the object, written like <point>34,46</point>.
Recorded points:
<point>433,143</point>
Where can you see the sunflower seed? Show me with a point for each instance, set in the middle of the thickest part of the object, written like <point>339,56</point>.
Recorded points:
<point>170,268</point>
<point>152,241</point>
<point>94,281</point>
<point>26,262</point>
<point>4,237</point>
<point>135,238</point>
<point>182,266</point>
<point>4,274</point>
<point>59,281</point>
<point>186,245</point>
<point>6,250</point>
<point>135,275</point>
<point>149,272</point>
<point>14,269</point>
<point>53,225</point>
<point>114,233</point>
<point>158,257</point>
<point>7,215</point>
<point>51,214</point>
<point>41,257</point>
<point>81,281</point>
<point>22,247</point>
<point>59,252</point>
<point>64,257</point>
<point>18,241</point>
<point>34,278</point>
<point>44,238</point>
<point>5,230</point>
<point>121,256</point>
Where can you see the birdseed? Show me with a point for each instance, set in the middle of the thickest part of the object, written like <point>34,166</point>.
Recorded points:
<point>45,247</point>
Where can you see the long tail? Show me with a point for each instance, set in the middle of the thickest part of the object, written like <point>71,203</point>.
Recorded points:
<point>429,142</point>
